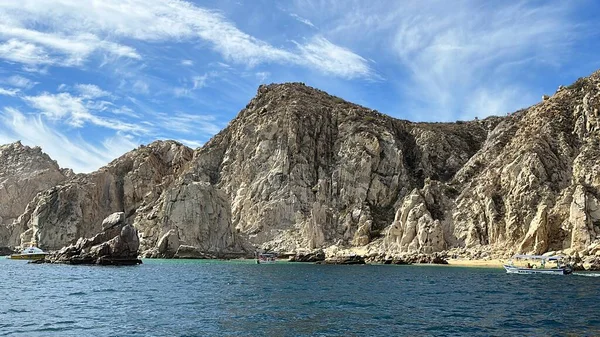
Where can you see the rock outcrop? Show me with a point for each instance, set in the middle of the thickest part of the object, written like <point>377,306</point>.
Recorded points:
<point>299,170</point>
<point>24,172</point>
<point>117,244</point>
<point>61,215</point>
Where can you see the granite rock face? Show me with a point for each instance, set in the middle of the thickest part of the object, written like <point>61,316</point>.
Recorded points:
<point>303,169</point>
<point>299,170</point>
<point>24,172</point>
<point>61,215</point>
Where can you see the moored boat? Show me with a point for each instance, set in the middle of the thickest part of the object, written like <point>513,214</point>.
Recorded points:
<point>536,264</point>
<point>266,258</point>
<point>30,253</point>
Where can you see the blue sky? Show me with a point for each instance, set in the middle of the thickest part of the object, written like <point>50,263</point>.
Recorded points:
<point>88,80</point>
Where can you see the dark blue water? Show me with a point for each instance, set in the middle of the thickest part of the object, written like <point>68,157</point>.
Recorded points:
<point>204,298</point>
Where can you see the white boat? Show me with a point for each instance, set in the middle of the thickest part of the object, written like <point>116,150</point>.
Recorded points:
<point>536,264</point>
<point>266,258</point>
<point>30,253</point>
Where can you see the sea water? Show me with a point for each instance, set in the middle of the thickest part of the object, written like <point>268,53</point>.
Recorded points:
<point>241,298</point>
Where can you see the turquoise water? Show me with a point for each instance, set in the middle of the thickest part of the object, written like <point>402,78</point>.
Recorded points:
<point>212,298</point>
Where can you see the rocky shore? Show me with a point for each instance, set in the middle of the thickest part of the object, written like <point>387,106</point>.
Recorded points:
<point>116,245</point>
<point>299,171</point>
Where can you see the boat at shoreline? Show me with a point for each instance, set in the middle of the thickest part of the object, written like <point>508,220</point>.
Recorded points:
<point>30,253</point>
<point>534,268</point>
<point>266,258</point>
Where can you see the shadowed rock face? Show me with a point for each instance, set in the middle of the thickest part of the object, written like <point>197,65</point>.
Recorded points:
<point>299,169</point>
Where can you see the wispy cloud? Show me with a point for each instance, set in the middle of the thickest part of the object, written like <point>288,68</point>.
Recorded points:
<point>77,153</point>
<point>91,91</point>
<point>9,92</point>
<point>140,87</point>
<point>19,82</point>
<point>453,59</point>
<point>23,52</point>
<point>72,49</point>
<point>333,59</point>
<point>97,25</point>
<point>189,123</point>
<point>74,110</point>
<point>303,20</point>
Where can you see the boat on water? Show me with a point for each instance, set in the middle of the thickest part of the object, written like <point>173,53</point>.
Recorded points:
<point>536,264</point>
<point>31,253</point>
<point>266,258</point>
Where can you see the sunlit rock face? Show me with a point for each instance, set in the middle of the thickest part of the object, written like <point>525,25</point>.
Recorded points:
<point>61,215</point>
<point>24,172</point>
<point>299,170</point>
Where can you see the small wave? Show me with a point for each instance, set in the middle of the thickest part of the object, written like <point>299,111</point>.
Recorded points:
<point>78,293</point>
<point>588,274</point>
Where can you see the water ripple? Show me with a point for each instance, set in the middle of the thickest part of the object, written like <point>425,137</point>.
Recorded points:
<point>212,298</point>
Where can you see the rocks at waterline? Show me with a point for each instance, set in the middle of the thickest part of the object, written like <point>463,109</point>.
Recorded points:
<point>117,244</point>
<point>5,251</point>
<point>312,256</point>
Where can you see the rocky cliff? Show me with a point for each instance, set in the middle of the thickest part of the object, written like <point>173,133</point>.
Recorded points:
<point>24,172</point>
<point>299,169</point>
<point>62,214</point>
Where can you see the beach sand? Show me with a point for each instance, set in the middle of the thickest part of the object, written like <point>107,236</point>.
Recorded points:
<point>493,263</point>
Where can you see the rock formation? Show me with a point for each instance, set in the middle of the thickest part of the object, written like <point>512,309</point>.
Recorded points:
<point>117,244</point>
<point>300,170</point>
<point>61,215</point>
<point>24,172</point>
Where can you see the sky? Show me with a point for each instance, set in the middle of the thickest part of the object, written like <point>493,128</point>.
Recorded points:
<point>89,80</point>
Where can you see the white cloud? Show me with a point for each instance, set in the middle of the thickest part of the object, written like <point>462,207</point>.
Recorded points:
<point>333,59</point>
<point>454,59</point>
<point>187,63</point>
<point>23,52</point>
<point>19,82</point>
<point>9,92</point>
<point>77,154</point>
<point>303,20</point>
<point>99,24</point>
<point>75,48</point>
<point>90,91</point>
<point>74,111</point>
<point>199,81</point>
<point>189,123</point>
<point>191,143</point>
<point>125,110</point>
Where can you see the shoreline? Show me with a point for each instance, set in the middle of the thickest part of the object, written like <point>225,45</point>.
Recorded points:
<point>492,263</point>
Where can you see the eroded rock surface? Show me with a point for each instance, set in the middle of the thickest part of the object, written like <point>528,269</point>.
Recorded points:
<point>117,244</point>
<point>299,170</point>
<point>24,172</point>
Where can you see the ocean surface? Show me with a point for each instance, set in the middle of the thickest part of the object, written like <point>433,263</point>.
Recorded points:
<point>241,298</point>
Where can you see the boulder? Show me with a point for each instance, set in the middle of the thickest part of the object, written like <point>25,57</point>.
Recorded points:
<point>312,256</point>
<point>191,252</point>
<point>118,244</point>
<point>350,259</point>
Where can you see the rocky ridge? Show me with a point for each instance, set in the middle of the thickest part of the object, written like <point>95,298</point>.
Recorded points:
<point>298,171</point>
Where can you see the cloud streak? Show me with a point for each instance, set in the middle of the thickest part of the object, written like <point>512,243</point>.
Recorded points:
<point>77,154</point>
<point>151,21</point>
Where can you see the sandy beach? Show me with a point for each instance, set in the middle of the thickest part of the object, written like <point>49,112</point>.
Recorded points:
<point>493,263</point>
